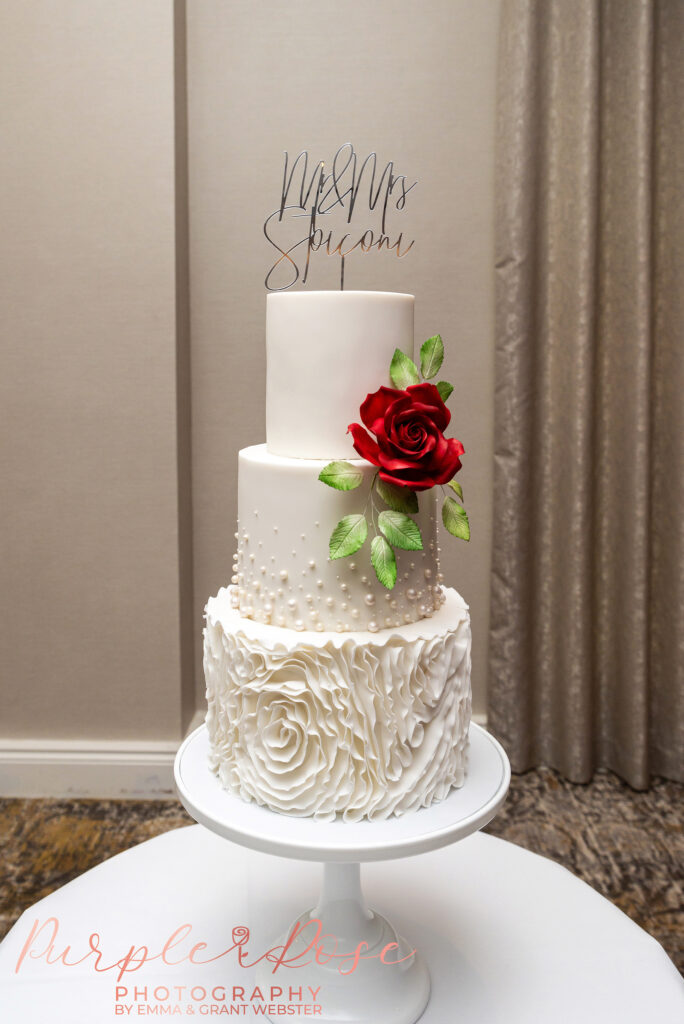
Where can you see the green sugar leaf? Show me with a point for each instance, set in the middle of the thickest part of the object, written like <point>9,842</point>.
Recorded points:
<point>341,475</point>
<point>384,562</point>
<point>444,389</point>
<point>455,519</point>
<point>401,499</point>
<point>348,536</point>
<point>431,356</point>
<point>400,531</point>
<point>403,371</point>
<point>456,487</point>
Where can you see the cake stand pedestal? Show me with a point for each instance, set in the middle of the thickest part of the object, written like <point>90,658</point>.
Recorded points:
<point>365,972</point>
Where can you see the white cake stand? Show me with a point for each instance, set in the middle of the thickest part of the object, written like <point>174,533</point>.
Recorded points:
<point>391,987</point>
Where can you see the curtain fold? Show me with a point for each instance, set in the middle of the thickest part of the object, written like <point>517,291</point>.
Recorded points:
<point>587,621</point>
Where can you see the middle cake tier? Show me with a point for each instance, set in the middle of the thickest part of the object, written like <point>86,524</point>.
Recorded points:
<point>283,574</point>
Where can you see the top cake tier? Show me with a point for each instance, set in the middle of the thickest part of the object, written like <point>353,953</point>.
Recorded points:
<point>325,352</point>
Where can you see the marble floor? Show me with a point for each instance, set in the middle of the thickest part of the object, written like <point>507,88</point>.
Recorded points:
<point>627,845</point>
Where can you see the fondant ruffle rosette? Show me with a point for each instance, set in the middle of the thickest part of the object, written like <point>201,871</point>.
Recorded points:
<point>358,725</point>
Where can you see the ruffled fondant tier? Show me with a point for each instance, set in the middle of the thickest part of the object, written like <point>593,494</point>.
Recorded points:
<point>362,725</point>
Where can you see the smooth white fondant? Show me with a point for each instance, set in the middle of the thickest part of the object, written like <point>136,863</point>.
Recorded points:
<point>325,352</point>
<point>361,725</point>
<point>283,574</point>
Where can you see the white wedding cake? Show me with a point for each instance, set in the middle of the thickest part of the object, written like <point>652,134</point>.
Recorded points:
<point>337,665</point>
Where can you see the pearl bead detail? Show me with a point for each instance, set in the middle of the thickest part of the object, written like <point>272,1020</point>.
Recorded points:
<point>373,626</point>
<point>283,574</point>
<point>369,599</point>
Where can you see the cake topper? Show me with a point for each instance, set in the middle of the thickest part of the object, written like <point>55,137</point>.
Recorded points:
<point>357,201</point>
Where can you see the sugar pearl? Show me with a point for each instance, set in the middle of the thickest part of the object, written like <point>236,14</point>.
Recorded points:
<point>299,625</point>
<point>373,626</point>
<point>319,584</point>
<point>262,570</point>
<point>312,564</point>
<point>281,620</point>
<point>292,603</point>
<point>344,606</point>
<point>319,627</point>
<point>355,613</point>
<point>369,599</point>
<point>309,598</point>
<point>428,574</point>
<point>234,579</point>
<point>330,601</point>
<point>352,566</point>
<point>364,579</point>
<point>280,591</point>
<point>283,574</point>
<point>393,603</point>
<point>411,594</point>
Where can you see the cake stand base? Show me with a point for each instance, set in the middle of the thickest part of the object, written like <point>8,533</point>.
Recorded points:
<point>351,958</point>
<point>364,971</point>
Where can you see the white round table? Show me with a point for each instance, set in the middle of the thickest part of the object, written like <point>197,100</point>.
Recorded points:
<point>511,938</point>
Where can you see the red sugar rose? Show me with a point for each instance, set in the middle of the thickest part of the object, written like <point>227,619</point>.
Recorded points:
<point>409,446</point>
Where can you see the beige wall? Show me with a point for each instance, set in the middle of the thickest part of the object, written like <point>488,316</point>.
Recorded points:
<point>89,600</point>
<point>95,438</point>
<point>414,81</point>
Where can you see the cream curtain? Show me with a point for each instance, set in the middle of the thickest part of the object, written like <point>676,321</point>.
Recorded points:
<point>587,628</point>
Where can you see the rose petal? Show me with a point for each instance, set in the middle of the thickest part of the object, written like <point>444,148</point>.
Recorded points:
<point>403,479</point>
<point>364,444</point>
<point>427,394</point>
<point>375,405</point>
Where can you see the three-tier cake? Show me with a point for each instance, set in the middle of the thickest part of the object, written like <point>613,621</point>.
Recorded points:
<point>330,694</point>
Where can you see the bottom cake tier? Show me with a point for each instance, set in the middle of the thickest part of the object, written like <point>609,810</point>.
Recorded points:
<point>361,725</point>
